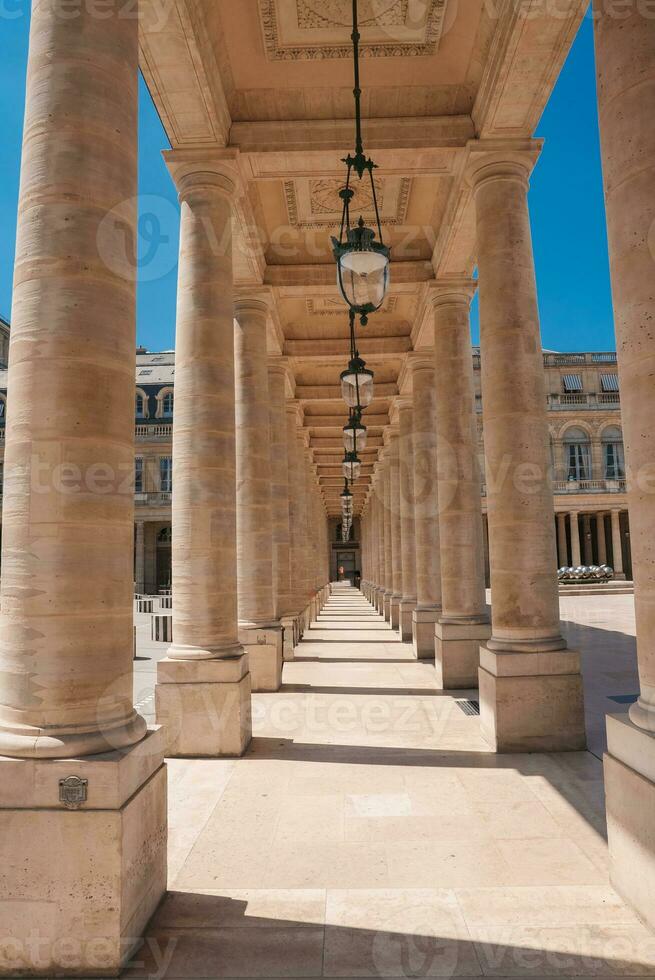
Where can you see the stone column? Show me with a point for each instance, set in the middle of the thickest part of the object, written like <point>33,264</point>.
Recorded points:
<point>586,539</point>
<point>407,531</point>
<point>426,506</point>
<point>388,550</point>
<point>277,379</point>
<point>295,517</point>
<point>140,557</point>
<point>464,621</point>
<point>203,686</point>
<point>602,541</point>
<point>561,540</point>
<point>396,538</point>
<point>530,684</point>
<point>617,548</point>
<point>576,557</point>
<point>625,59</point>
<point>260,632</point>
<point>66,640</point>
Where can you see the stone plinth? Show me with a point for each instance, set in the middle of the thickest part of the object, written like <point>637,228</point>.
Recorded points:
<point>265,656</point>
<point>110,855</point>
<point>406,615</point>
<point>423,625</point>
<point>456,653</point>
<point>531,702</point>
<point>204,706</point>
<point>630,801</point>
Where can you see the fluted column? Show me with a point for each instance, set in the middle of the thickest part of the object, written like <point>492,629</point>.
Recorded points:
<point>395,527</point>
<point>576,556</point>
<point>66,638</point>
<point>203,689</point>
<point>426,505</point>
<point>464,622</point>
<point>625,61</point>
<point>523,554</point>
<point>563,551</point>
<point>407,531</point>
<point>277,380</point>
<point>260,631</point>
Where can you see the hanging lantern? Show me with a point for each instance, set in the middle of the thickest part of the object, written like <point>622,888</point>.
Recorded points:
<point>354,434</point>
<point>352,467</point>
<point>362,262</point>
<point>357,384</point>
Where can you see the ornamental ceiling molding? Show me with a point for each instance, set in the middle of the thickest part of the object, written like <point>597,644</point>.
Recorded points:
<point>382,16</point>
<point>314,205</point>
<point>326,306</point>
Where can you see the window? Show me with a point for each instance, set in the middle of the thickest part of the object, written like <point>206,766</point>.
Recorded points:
<point>138,475</point>
<point>577,452</point>
<point>166,474</point>
<point>167,405</point>
<point>572,383</point>
<point>613,455</point>
<point>3,408</point>
<point>140,407</point>
<point>609,383</point>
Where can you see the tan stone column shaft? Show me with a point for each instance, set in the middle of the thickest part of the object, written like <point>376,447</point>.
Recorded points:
<point>277,373</point>
<point>602,541</point>
<point>140,557</point>
<point>407,531</point>
<point>295,509</point>
<point>625,61</point>
<point>576,557</point>
<point>256,593</point>
<point>561,538</point>
<point>67,530</point>
<point>396,537</point>
<point>388,551</point>
<point>617,550</point>
<point>460,509</point>
<point>586,539</point>
<point>523,555</point>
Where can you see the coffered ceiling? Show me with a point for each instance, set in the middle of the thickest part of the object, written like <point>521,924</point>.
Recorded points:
<point>271,81</point>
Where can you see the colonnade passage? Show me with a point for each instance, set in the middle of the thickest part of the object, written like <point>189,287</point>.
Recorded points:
<point>374,805</point>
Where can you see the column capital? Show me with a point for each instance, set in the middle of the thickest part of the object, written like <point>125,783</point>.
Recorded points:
<point>205,171</point>
<point>452,289</point>
<point>421,360</point>
<point>294,408</point>
<point>403,403</point>
<point>254,300</point>
<point>501,159</point>
<point>281,365</point>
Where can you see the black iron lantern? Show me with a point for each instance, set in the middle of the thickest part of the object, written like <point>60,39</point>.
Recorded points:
<point>352,467</point>
<point>354,433</point>
<point>362,262</point>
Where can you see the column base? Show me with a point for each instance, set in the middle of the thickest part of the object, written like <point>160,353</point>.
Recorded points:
<point>79,885</point>
<point>423,624</point>
<point>457,653</point>
<point>288,643</point>
<point>204,706</point>
<point>394,612</point>
<point>386,606</point>
<point>264,648</point>
<point>630,802</point>
<point>532,702</point>
<point>407,607</point>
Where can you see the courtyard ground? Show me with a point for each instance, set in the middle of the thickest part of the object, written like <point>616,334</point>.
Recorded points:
<point>369,831</point>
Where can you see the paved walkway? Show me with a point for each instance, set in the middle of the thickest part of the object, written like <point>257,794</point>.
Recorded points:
<point>369,832</point>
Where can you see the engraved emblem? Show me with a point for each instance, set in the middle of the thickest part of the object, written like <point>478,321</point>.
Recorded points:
<point>73,791</point>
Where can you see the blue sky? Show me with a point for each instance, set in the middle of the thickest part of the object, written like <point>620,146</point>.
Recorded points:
<point>566,203</point>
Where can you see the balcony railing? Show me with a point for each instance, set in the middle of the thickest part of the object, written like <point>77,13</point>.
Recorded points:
<point>583,486</point>
<point>561,360</point>
<point>156,498</point>
<point>578,399</point>
<point>159,431</point>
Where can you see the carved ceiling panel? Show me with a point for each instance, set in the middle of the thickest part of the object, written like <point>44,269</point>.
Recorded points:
<point>327,306</point>
<point>315,203</point>
<point>320,29</point>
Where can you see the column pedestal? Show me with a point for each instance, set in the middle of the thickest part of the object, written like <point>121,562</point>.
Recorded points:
<point>456,653</point>
<point>531,702</point>
<point>204,706</point>
<point>406,619</point>
<point>263,645</point>
<point>394,611</point>
<point>423,625</point>
<point>629,766</point>
<point>111,850</point>
<point>386,606</point>
<point>289,626</point>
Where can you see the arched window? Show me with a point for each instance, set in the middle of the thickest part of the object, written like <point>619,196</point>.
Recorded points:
<point>167,406</point>
<point>140,406</point>
<point>165,536</point>
<point>613,455</point>
<point>577,454</point>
